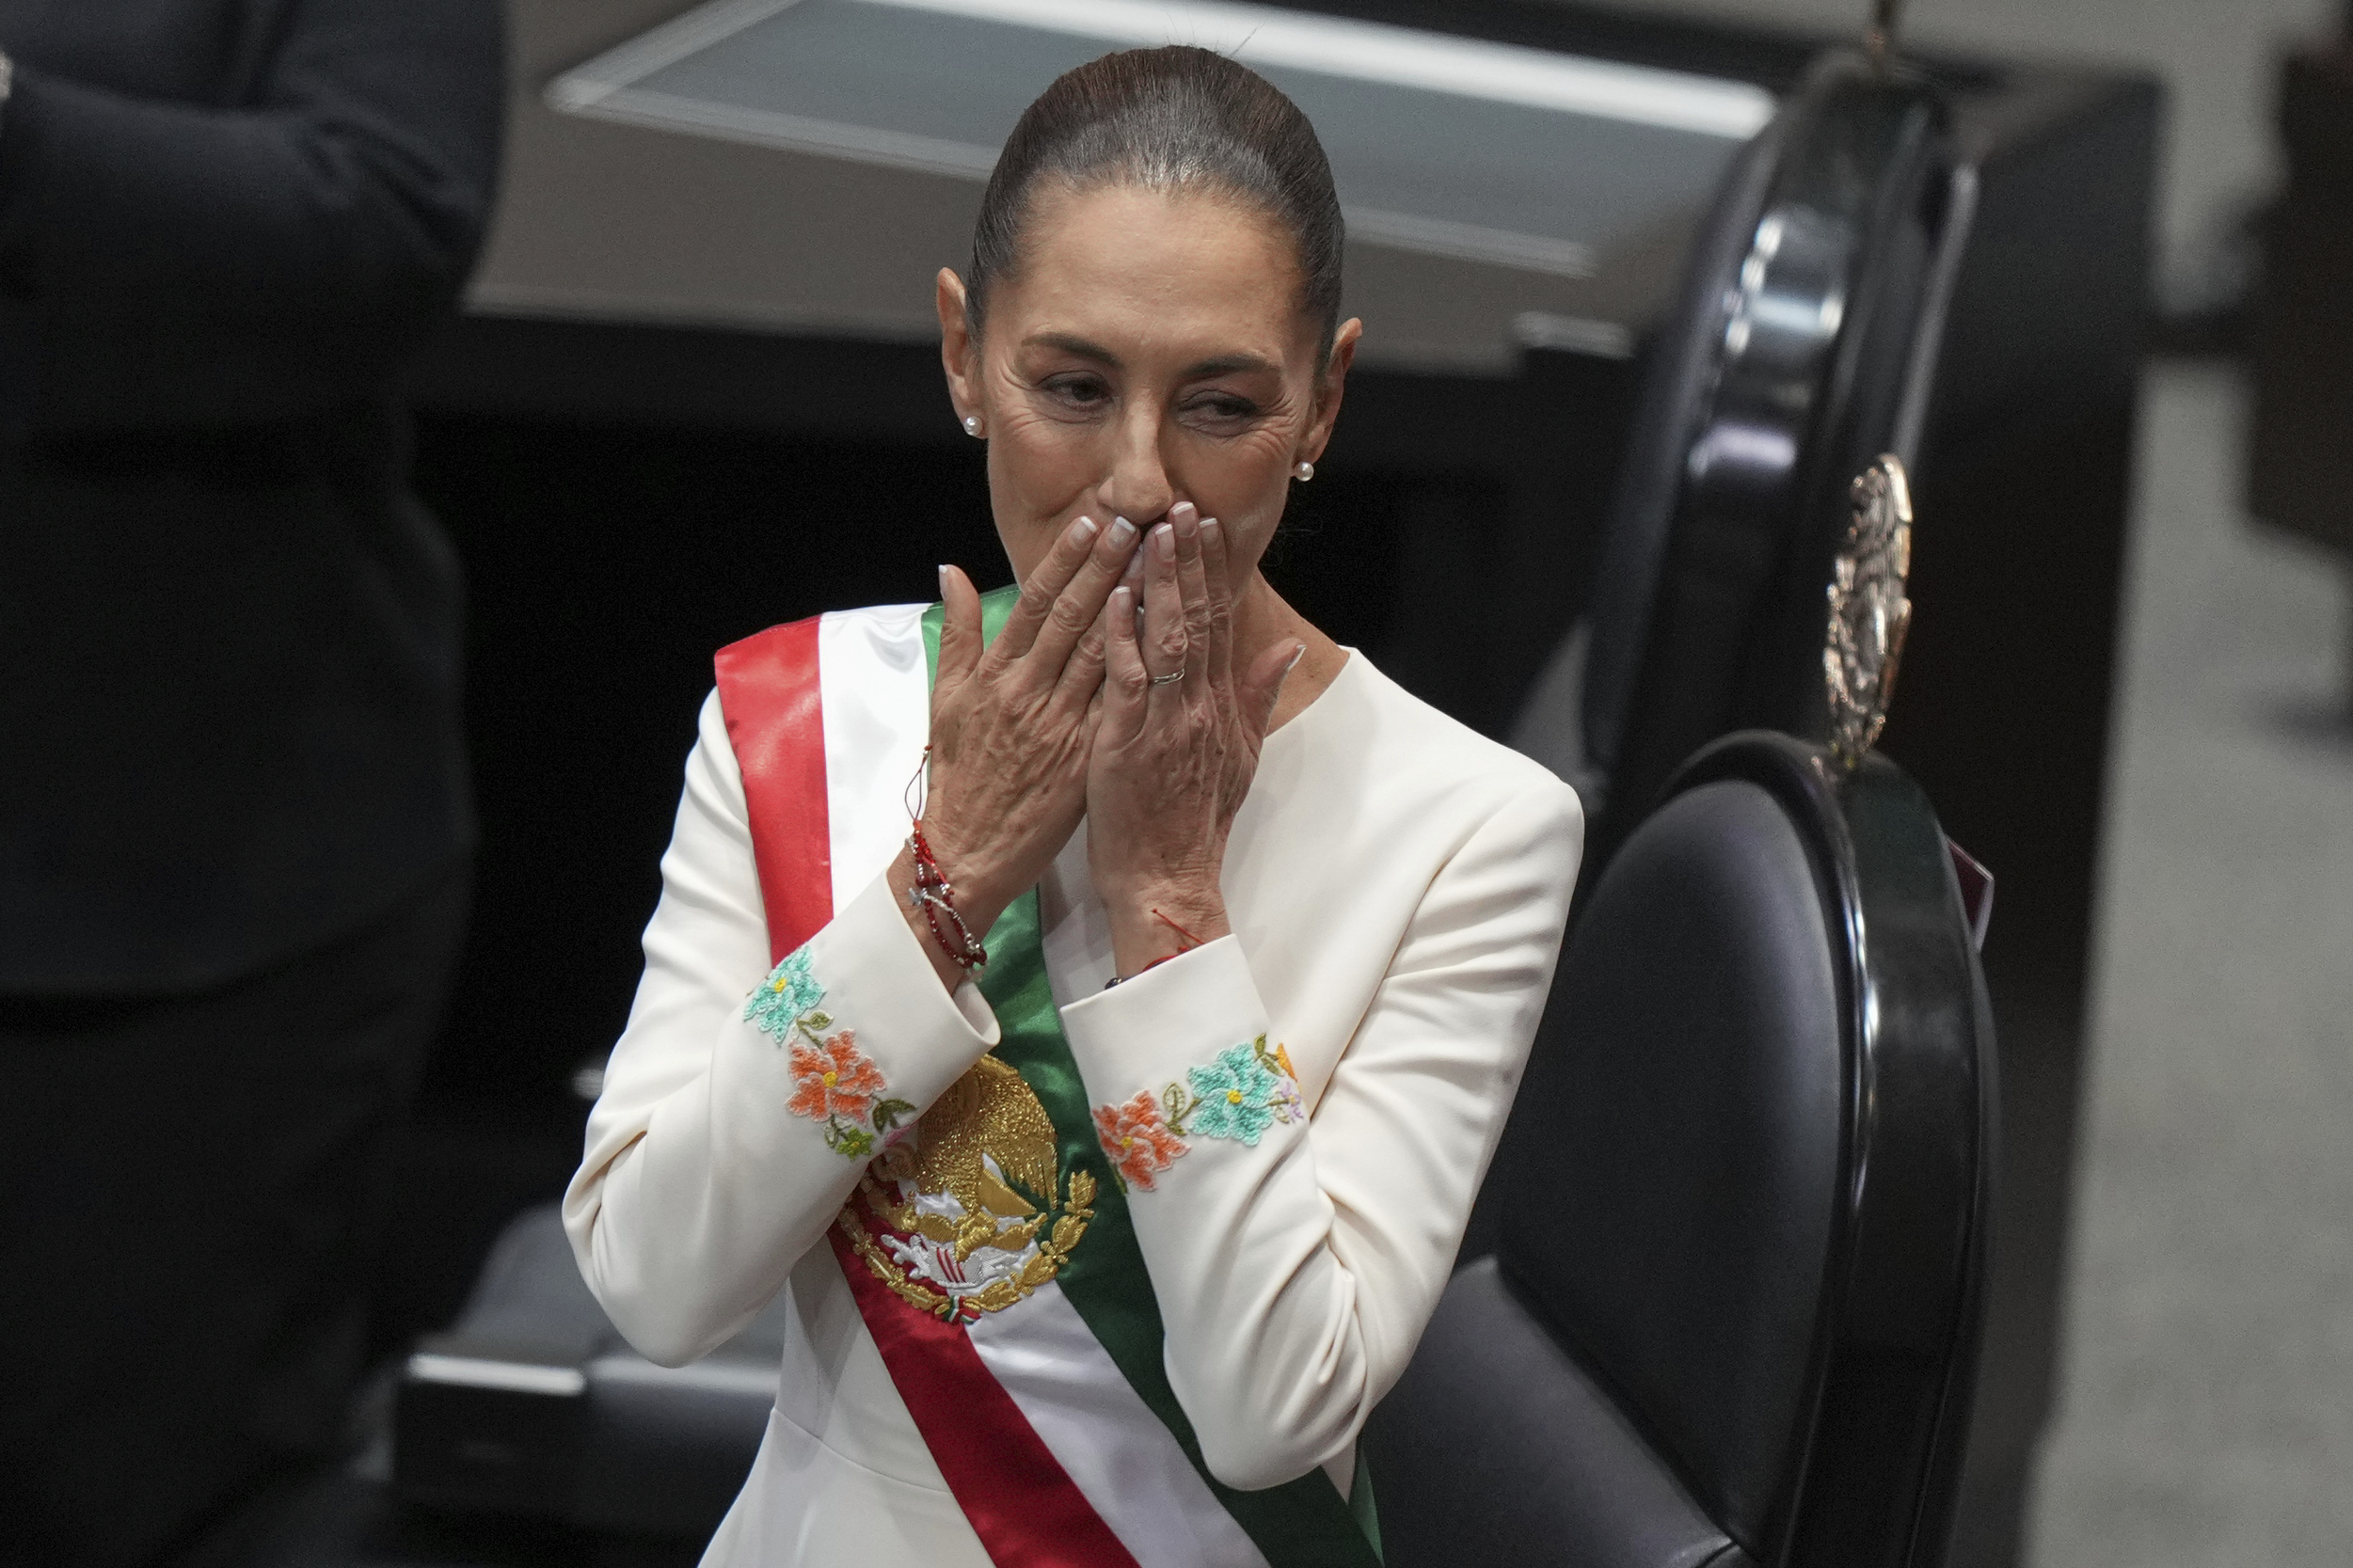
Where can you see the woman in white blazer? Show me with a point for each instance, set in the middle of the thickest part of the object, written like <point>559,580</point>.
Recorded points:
<point>1093,1005</point>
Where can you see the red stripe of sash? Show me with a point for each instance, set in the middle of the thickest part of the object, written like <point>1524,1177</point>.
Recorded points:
<point>774,707</point>
<point>1022,1503</point>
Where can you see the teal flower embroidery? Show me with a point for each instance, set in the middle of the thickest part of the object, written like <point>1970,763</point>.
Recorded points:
<point>789,992</point>
<point>1237,1096</point>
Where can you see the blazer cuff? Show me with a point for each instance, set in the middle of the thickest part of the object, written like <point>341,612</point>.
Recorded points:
<point>1179,1059</point>
<point>860,1024</point>
<point>1166,1019</point>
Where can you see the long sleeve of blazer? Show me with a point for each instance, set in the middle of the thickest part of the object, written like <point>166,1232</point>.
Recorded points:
<point>229,211</point>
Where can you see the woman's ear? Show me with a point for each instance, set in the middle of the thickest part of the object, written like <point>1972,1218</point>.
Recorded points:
<point>1331,385</point>
<point>958,346</point>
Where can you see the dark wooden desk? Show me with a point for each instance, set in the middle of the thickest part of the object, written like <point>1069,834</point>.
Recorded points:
<point>677,413</point>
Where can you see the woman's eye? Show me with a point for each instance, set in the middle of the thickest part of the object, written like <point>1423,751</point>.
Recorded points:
<point>1083,392</point>
<point>1221,409</point>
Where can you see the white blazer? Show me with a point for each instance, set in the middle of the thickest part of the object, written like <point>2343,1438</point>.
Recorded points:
<point>1397,886</point>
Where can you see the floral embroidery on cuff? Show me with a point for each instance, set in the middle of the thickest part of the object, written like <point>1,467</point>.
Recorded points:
<point>1244,1090</point>
<point>833,1080</point>
<point>1137,1141</point>
<point>789,990</point>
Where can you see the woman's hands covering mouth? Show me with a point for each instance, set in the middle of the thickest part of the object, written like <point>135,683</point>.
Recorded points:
<point>1176,743</point>
<point>1111,694</point>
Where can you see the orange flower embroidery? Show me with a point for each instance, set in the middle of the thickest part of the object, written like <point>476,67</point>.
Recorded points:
<point>1136,1140</point>
<point>833,1080</point>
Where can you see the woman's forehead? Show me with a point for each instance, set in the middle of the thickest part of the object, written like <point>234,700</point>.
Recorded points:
<point>1185,271</point>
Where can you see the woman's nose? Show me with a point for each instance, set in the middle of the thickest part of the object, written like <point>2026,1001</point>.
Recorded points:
<point>1137,486</point>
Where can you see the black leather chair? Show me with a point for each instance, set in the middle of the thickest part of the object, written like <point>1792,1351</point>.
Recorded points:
<point>1802,346</point>
<point>1740,1210</point>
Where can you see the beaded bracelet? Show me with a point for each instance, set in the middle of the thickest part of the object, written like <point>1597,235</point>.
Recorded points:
<point>936,898</point>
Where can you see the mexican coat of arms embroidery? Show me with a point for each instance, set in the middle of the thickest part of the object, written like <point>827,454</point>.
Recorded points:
<point>974,1209</point>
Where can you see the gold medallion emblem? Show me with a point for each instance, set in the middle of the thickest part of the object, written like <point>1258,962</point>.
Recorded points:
<point>973,1209</point>
<point>1869,612</point>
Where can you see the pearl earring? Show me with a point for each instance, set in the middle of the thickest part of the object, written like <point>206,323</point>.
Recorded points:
<point>1305,469</point>
<point>972,424</point>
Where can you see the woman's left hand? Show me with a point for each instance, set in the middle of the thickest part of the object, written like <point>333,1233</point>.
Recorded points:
<point>1176,744</point>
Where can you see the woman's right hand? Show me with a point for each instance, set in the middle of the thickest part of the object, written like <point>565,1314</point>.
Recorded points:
<point>1011,725</point>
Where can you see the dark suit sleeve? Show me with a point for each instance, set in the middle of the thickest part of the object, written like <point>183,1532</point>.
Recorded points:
<point>171,263</point>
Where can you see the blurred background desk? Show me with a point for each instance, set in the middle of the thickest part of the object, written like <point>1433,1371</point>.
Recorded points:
<point>698,393</point>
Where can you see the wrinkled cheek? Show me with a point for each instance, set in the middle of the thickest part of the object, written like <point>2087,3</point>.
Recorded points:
<point>1033,484</point>
<point>1254,532</point>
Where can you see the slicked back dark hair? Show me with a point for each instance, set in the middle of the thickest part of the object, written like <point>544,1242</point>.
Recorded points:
<point>1176,118</point>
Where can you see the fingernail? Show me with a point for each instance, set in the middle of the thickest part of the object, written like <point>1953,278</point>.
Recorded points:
<point>1123,531</point>
<point>1164,541</point>
<point>1181,506</point>
<point>1082,531</point>
<point>1211,533</point>
<point>1120,599</point>
<point>942,571</point>
<point>1297,654</point>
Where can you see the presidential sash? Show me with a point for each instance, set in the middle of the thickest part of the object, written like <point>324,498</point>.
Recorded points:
<point>990,1251</point>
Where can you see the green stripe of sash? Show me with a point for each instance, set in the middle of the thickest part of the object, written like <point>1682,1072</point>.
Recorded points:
<point>1301,1523</point>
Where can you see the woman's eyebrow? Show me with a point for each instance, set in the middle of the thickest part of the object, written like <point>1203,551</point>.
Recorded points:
<point>1070,344</point>
<point>1228,364</point>
<point>1223,364</point>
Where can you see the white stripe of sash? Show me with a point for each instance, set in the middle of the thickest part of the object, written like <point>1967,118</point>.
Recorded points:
<point>1091,1418</point>
<point>877,696</point>
<point>875,689</point>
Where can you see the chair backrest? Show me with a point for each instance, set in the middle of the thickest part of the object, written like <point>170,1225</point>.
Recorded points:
<point>1740,1210</point>
<point>1801,346</point>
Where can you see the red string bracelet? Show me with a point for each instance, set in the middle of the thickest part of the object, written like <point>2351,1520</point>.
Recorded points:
<point>1190,941</point>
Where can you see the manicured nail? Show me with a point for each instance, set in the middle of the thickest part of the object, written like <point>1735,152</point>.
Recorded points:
<point>1211,533</point>
<point>1164,541</point>
<point>1182,509</point>
<point>1297,654</point>
<point>1122,533</point>
<point>1122,600</point>
<point>943,583</point>
<point>1082,531</point>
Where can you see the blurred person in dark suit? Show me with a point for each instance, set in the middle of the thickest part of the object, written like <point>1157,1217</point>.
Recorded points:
<point>235,831</point>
